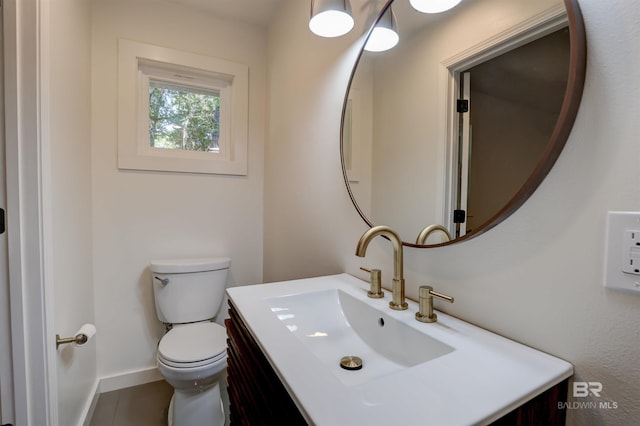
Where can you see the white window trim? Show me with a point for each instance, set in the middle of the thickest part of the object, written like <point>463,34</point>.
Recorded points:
<point>139,62</point>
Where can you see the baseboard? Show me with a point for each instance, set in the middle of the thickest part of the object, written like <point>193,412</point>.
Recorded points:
<point>128,379</point>
<point>90,406</point>
<point>115,382</point>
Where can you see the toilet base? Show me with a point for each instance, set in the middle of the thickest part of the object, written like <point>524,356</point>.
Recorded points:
<point>196,408</point>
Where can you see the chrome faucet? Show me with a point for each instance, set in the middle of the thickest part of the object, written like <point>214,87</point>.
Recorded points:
<point>424,234</point>
<point>397,290</point>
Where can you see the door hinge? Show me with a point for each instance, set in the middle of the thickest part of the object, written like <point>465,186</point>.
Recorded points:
<point>462,105</point>
<point>2,223</point>
<point>459,216</point>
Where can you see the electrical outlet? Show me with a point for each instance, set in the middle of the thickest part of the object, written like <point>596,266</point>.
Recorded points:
<point>631,252</point>
<point>622,258</point>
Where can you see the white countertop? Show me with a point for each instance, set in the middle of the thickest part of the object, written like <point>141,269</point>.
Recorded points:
<point>485,377</point>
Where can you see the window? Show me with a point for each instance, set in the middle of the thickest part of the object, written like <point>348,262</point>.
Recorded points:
<point>181,112</point>
<point>183,117</point>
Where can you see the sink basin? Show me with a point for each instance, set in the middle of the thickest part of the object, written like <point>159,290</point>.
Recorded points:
<point>332,324</point>
<point>449,372</point>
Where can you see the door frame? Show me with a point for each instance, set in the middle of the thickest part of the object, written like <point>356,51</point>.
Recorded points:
<point>464,148</point>
<point>546,22</point>
<point>27,172</point>
<point>6,373</point>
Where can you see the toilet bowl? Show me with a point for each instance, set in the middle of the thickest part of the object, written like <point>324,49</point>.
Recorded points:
<point>192,358</point>
<point>192,355</point>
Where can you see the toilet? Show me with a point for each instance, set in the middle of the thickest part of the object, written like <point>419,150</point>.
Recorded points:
<point>192,355</point>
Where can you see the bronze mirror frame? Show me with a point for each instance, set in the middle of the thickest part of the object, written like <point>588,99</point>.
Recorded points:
<point>557,140</point>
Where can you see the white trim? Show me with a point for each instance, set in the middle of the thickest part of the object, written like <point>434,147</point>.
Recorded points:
<point>128,379</point>
<point>463,196</point>
<point>90,405</point>
<point>6,373</point>
<point>34,396</point>
<point>546,22</point>
<point>46,215</point>
<point>537,26</point>
<point>137,62</point>
<point>355,135</point>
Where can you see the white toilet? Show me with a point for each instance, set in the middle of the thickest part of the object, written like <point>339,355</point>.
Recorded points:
<point>192,356</point>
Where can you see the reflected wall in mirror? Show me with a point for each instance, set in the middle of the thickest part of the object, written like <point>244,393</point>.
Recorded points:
<point>411,160</point>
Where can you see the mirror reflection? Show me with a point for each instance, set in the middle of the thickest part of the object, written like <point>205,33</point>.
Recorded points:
<point>458,120</point>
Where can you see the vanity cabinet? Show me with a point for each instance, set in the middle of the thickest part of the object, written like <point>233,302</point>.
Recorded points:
<point>541,410</point>
<point>257,397</point>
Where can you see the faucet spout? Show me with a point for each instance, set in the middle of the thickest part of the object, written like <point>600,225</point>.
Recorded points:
<point>397,290</point>
<point>424,234</point>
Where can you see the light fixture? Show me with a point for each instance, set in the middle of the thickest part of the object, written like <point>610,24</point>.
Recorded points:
<point>433,6</point>
<point>330,18</point>
<point>384,35</point>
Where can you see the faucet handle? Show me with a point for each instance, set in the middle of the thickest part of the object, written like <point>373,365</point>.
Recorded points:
<point>375,291</point>
<point>441,296</point>
<point>426,295</point>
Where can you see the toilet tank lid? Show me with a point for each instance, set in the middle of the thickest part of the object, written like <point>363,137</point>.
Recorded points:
<point>178,266</point>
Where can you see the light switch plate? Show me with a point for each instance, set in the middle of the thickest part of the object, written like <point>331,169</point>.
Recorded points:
<point>621,251</point>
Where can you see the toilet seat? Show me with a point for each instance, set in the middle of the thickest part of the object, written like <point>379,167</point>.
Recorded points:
<point>193,345</point>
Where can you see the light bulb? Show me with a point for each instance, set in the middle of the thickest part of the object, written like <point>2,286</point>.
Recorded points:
<point>433,6</point>
<point>381,39</point>
<point>384,35</point>
<point>330,18</point>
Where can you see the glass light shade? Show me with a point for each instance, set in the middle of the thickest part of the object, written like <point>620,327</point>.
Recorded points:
<point>433,6</point>
<point>330,18</point>
<point>384,35</point>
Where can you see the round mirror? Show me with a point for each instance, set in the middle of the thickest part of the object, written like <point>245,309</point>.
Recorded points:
<point>450,131</point>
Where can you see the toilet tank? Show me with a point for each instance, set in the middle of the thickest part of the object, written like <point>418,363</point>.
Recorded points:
<point>188,290</point>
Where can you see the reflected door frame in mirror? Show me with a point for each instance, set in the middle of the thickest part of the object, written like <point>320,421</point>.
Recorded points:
<point>451,70</point>
<point>541,23</point>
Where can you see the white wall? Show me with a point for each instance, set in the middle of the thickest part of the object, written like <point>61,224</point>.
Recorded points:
<point>141,216</point>
<point>537,277</point>
<point>70,185</point>
<point>306,202</point>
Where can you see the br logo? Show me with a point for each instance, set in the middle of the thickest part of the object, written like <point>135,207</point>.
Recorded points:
<point>584,389</point>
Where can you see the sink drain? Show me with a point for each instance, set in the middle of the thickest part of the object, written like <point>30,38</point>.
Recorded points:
<point>351,362</point>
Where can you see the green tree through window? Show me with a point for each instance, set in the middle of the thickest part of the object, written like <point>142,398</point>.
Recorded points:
<point>182,117</point>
